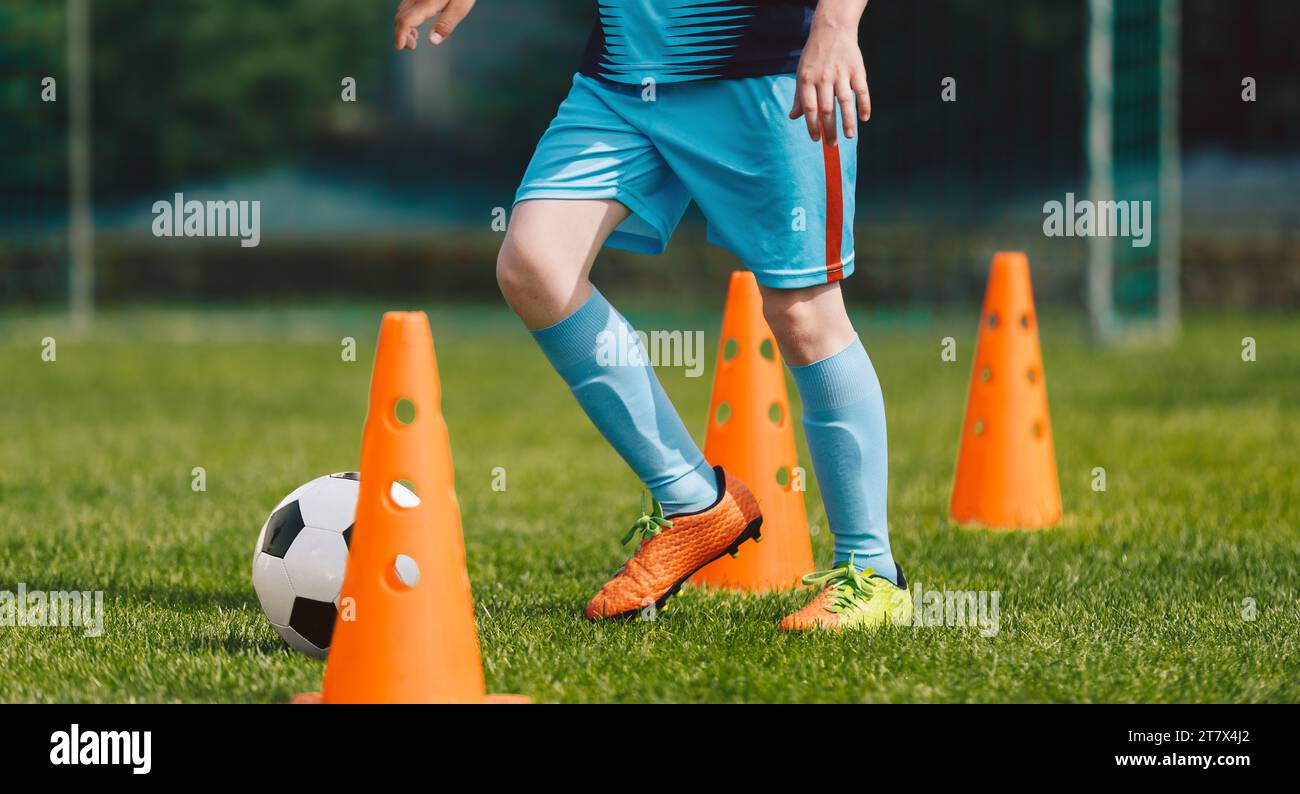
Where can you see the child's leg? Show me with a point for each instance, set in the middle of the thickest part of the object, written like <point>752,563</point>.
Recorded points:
<point>543,272</point>
<point>843,417</point>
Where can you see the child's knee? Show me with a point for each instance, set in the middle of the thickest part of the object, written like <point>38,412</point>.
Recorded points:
<point>788,315</point>
<point>808,323</point>
<point>514,272</point>
<point>524,274</point>
<point>795,320</point>
<point>539,289</point>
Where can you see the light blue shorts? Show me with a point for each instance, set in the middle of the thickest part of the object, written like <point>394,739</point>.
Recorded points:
<point>779,201</point>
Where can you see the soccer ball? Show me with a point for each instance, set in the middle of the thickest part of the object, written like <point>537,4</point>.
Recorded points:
<point>302,554</point>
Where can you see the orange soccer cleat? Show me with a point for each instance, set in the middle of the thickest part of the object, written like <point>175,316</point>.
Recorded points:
<point>673,548</point>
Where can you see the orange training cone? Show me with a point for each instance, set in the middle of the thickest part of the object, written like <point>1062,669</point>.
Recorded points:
<point>1006,464</point>
<point>405,632</point>
<point>750,435</point>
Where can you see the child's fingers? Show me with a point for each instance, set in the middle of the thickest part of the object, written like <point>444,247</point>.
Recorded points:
<point>848,115</point>
<point>864,95</point>
<point>826,111</point>
<point>805,104</point>
<point>451,16</point>
<point>411,14</point>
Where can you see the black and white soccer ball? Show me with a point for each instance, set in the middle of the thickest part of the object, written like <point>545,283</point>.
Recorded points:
<point>302,554</point>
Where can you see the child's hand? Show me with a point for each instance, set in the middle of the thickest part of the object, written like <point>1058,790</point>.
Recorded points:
<point>411,14</point>
<point>830,71</point>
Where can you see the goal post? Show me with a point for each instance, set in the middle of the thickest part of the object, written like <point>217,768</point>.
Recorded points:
<point>1132,153</point>
<point>81,222</point>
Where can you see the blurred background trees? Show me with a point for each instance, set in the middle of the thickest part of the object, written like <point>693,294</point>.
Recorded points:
<point>241,99</point>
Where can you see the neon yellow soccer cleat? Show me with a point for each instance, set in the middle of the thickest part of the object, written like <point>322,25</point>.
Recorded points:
<point>852,600</point>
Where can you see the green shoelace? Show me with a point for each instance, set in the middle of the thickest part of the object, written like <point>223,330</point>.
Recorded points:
<point>651,522</point>
<point>852,589</point>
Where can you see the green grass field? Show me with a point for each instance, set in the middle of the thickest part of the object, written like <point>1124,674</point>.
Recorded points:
<point>1141,594</point>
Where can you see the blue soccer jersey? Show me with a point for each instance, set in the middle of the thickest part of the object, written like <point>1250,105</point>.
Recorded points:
<point>674,41</point>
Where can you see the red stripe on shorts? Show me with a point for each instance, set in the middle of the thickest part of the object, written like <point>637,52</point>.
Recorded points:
<point>834,212</point>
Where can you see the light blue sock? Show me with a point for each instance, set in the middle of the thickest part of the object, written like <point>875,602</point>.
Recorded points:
<point>844,419</point>
<point>624,399</point>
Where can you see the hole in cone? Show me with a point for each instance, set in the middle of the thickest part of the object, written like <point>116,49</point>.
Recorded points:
<point>404,411</point>
<point>1024,321</point>
<point>986,374</point>
<point>723,413</point>
<point>730,349</point>
<point>768,350</point>
<point>1037,429</point>
<point>407,570</point>
<point>993,320</point>
<point>979,427</point>
<point>783,476</point>
<point>776,413</point>
<point>403,494</point>
<point>1031,374</point>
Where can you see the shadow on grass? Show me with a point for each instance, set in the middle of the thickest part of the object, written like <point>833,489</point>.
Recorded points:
<point>231,645</point>
<point>181,597</point>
